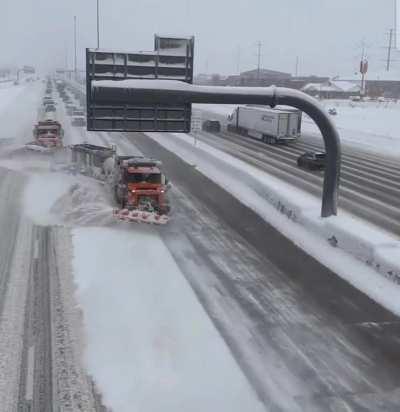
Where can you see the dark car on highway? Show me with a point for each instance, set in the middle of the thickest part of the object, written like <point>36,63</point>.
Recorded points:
<point>312,160</point>
<point>212,126</point>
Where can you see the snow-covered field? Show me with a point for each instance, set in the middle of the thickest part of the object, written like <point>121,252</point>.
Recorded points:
<point>371,126</point>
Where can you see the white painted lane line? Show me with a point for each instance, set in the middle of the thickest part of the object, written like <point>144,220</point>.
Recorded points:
<point>29,373</point>
<point>36,249</point>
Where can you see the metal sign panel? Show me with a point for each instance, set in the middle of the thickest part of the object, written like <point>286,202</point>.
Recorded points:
<point>172,59</point>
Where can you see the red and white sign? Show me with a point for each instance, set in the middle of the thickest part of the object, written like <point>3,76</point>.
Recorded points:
<point>363,66</point>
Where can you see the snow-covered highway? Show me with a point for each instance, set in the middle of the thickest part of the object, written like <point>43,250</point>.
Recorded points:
<point>305,339</point>
<point>216,303</point>
<point>41,369</point>
<point>369,188</point>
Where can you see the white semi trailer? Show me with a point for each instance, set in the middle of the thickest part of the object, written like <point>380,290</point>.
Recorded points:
<point>278,125</point>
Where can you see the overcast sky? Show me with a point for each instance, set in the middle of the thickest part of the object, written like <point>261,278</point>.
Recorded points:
<point>325,34</point>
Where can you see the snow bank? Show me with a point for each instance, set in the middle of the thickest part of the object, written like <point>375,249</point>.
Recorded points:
<point>57,198</point>
<point>84,204</point>
<point>40,194</point>
<point>361,250</point>
<point>150,344</point>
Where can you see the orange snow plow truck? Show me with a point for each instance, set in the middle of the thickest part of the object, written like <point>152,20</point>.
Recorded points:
<point>139,187</point>
<point>48,134</point>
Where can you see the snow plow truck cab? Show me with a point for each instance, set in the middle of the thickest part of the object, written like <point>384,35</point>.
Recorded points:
<point>48,134</point>
<point>140,184</point>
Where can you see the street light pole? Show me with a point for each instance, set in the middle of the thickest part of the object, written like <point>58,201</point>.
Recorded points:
<point>98,24</point>
<point>395,24</point>
<point>75,59</point>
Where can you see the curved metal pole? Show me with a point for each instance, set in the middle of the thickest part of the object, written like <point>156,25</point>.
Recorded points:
<point>171,92</point>
<point>331,139</point>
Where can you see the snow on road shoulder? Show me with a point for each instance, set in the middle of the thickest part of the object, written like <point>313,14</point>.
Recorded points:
<point>12,319</point>
<point>41,192</point>
<point>85,204</point>
<point>150,344</point>
<point>296,214</point>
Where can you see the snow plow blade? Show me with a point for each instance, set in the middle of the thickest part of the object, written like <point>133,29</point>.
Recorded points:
<point>137,216</point>
<point>38,148</point>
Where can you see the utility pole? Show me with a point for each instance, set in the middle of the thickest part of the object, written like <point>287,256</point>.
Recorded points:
<point>66,57</point>
<point>363,66</point>
<point>389,55</point>
<point>98,25</point>
<point>259,46</point>
<point>363,49</point>
<point>297,66</point>
<point>238,58</point>
<point>75,58</point>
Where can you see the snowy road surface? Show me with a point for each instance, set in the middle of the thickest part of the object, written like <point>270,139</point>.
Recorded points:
<point>40,354</point>
<point>370,127</point>
<point>306,339</point>
<point>215,311</point>
<point>369,186</point>
<point>151,345</point>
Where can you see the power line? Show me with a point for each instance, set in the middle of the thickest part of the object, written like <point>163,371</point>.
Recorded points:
<point>297,66</point>
<point>238,59</point>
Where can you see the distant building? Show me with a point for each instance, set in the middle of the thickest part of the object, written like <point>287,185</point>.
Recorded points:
<point>379,83</point>
<point>202,78</point>
<point>299,82</point>
<point>332,89</point>
<point>262,77</point>
<point>210,79</point>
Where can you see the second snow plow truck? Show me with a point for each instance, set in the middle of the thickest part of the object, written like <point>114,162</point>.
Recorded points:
<point>48,135</point>
<point>138,185</point>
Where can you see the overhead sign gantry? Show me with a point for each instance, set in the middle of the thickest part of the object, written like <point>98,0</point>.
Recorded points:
<point>172,59</point>
<point>130,92</point>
